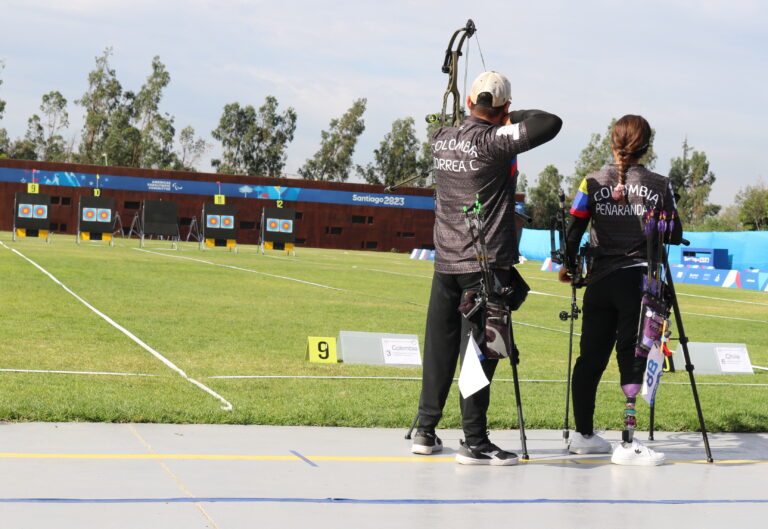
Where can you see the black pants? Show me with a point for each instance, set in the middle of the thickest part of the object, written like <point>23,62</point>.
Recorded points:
<point>611,317</point>
<point>445,340</point>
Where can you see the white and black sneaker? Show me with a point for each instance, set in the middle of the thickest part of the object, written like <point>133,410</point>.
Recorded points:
<point>636,453</point>
<point>486,453</point>
<point>588,444</point>
<point>426,443</point>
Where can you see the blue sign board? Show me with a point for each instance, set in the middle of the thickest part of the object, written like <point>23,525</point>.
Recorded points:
<point>191,187</point>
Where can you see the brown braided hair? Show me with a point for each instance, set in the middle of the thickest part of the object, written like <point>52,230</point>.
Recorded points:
<point>631,138</point>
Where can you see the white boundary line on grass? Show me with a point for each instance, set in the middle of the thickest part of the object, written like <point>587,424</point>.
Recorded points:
<point>227,405</point>
<point>76,372</point>
<point>244,270</point>
<point>322,377</point>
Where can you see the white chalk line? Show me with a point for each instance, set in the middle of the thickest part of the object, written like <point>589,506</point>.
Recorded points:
<point>723,299</point>
<point>345,377</point>
<point>227,405</point>
<point>282,277</point>
<point>533,380</point>
<point>108,373</point>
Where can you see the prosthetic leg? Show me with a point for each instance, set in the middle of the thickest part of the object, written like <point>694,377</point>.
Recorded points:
<point>630,420</point>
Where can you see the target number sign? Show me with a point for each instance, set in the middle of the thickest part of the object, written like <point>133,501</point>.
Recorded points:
<point>321,350</point>
<point>33,188</point>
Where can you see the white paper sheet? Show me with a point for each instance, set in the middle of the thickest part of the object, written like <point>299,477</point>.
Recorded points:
<point>472,378</point>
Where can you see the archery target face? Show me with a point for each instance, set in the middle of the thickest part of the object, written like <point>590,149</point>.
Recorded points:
<point>25,211</point>
<point>227,221</point>
<point>40,212</point>
<point>89,214</point>
<point>104,215</point>
<point>212,221</point>
<point>273,225</point>
<point>286,226</point>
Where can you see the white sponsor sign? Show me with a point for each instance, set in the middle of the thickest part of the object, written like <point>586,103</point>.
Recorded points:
<point>733,359</point>
<point>401,351</point>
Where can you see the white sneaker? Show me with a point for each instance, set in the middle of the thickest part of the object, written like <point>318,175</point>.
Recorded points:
<point>636,454</point>
<point>588,444</point>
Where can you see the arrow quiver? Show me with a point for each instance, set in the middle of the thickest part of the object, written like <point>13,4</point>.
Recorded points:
<point>655,309</point>
<point>488,308</point>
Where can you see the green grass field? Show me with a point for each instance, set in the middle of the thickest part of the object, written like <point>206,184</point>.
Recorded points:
<point>215,321</point>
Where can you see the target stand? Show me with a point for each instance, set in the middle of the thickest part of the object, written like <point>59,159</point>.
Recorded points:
<point>277,230</point>
<point>160,218</point>
<point>218,224</point>
<point>96,220</point>
<point>31,216</point>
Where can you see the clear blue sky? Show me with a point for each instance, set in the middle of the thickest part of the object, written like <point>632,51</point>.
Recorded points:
<point>693,68</point>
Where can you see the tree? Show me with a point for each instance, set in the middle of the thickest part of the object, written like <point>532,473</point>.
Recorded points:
<point>754,206</point>
<point>102,99</point>
<point>397,157</point>
<point>154,150</point>
<point>543,200</point>
<point>56,118</point>
<point>727,220</point>
<point>192,149</point>
<point>598,153</point>
<point>690,176</point>
<point>334,159</point>
<point>2,103</point>
<point>254,142</point>
<point>4,141</point>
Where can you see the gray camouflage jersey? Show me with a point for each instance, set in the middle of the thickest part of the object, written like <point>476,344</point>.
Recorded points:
<point>476,158</point>
<point>616,233</point>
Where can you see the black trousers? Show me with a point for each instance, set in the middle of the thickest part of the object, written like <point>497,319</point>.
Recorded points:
<point>445,341</point>
<point>611,313</point>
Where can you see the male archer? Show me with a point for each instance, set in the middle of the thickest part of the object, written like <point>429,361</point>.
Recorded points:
<point>475,159</point>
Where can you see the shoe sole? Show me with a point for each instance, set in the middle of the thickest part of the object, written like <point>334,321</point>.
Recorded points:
<point>464,460</point>
<point>425,450</point>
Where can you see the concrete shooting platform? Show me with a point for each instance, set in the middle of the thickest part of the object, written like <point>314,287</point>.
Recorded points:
<point>227,477</point>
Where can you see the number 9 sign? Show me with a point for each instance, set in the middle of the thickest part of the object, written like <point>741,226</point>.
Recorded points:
<point>321,350</point>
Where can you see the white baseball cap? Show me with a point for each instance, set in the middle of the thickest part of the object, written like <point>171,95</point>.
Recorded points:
<point>495,84</point>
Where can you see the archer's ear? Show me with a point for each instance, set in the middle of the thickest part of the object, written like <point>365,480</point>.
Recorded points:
<point>469,103</point>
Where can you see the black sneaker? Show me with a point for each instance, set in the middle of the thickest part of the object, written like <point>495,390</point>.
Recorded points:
<point>426,443</point>
<point>486,453</point>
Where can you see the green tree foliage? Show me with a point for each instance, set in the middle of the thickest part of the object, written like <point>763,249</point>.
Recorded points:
<point>192,149</point>
<point>4,141</point>
<point>102,99</point>
<point>598,153</point>
<point>154,148</point>
<point>729,219</point>
<point>126,128</point>
<point>2,103</point>
<point>334,159</point>
<point>691,178</point>
<point>398,157</point>
<point>254,142</point>
<point>542,201</point>
<point>55,120</point>
<point>753,210</point>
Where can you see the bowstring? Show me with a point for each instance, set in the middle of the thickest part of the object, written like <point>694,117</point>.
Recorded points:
<point>466,61</point>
